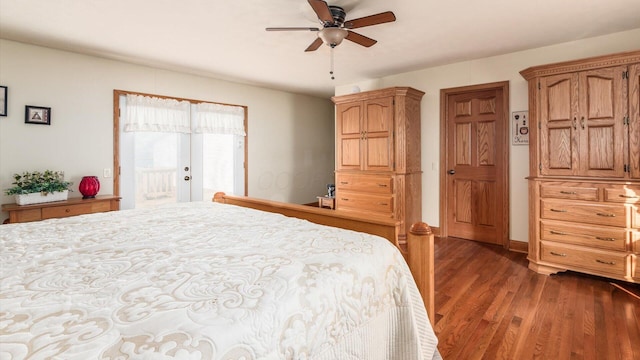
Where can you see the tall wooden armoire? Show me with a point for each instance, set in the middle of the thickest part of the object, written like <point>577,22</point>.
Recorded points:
<point>584,183</point>
<point>378,169</point>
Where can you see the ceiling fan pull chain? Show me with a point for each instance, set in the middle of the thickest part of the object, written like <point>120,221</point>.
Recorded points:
<point>331,70</point>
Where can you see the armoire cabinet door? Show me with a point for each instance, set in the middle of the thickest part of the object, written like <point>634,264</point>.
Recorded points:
<point>634,124</point>
<point>558,125</point>
<point>349,133</point>
<point>582,129</point>
<point>378,136</point>
<point>601,125</point>
<point>365,135</point>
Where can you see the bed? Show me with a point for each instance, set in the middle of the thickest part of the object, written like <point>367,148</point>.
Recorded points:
<point>210,280</point>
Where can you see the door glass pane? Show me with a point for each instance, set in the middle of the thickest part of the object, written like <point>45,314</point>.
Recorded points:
<point>156,168</point>
<point>217,164</point>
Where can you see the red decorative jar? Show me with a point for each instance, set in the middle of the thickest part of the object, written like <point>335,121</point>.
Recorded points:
<point>89,187</point>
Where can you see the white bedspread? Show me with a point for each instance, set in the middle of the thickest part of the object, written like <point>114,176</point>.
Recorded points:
<point>205,281</point>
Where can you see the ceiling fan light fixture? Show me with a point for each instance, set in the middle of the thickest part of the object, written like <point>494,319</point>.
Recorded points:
<point>332,36</point>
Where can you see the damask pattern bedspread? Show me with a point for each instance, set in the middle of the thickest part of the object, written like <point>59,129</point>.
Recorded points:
<point>205,281</point>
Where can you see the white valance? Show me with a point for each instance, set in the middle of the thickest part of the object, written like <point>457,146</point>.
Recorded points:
<point>146,113</point>
<point>219,119</point>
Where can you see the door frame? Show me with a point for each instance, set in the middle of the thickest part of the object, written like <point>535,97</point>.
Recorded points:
<point>445,95</point>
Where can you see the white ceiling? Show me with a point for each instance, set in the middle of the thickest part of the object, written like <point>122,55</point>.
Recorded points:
<point>227,39</point>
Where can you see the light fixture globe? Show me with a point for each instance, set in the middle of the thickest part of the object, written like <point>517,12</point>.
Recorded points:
<point>332,36</point>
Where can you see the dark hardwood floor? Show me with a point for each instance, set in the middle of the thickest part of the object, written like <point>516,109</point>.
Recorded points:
<point>489,305</point>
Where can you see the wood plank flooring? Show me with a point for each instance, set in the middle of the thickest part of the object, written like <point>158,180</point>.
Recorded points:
<point>489,305</point>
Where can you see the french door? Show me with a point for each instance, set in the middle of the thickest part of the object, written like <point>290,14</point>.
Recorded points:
<point>166,167</point>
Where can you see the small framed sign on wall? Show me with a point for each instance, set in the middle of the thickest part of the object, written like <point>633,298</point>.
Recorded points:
<point>520,127</point>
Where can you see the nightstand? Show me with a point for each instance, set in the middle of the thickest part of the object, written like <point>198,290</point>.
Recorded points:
<point>326,202</point>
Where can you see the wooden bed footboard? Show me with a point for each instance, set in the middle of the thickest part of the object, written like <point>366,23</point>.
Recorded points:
<point>418,250</point>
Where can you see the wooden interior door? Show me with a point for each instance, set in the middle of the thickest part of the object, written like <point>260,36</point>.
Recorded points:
<point>476,163</point>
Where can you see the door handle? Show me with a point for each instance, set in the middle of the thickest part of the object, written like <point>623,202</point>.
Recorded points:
<point>451,172</point>
<point>187,178</point>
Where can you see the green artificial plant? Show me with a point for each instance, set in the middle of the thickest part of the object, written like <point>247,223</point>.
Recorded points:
<point>38,182</point>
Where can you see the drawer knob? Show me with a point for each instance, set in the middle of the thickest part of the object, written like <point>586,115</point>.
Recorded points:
<point>605,239</point>
<point>559,210</point>
<point>558,254</point>
<point>382,185</point>
<point>568,192</point>
<point>384,204</point>
<point>344,182</point>
<point>67,210</point>
<point>606,215</point>
<point>606,262</point>
<point>558,232</point>
<point>344,199</point>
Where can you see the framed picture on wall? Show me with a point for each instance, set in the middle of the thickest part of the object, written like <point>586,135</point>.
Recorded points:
<point>3,100</point>
<point>520,121</point>
<point>37,115</point>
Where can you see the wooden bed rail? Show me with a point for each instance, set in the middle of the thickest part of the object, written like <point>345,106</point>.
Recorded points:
<point>418,250</point>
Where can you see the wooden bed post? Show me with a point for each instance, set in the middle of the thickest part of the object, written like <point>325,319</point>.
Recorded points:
<point>419,243</point>
<point>417,250</point>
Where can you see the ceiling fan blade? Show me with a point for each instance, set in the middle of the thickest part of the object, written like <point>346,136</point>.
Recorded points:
<point>322,10</point>
<point>360,39</point>
<point>376,19</point>
<point>292,29</point>
<point>314,45</point>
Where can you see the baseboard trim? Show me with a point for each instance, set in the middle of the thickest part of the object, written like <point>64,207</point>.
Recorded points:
<point>435,230</point>
<point>519,246</point>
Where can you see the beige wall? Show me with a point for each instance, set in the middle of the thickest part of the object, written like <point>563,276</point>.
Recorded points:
<point>290,135</point>
<point>291,152</point>
<point>487,70</point>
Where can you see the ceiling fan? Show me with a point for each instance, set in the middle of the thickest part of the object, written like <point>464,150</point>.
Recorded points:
<point>335,28</point>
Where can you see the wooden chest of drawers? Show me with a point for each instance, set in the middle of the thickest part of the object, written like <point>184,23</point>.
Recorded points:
<point>584,157</point>
<point>59,209</point>
<point>365,193</point>
<point>586,226</point>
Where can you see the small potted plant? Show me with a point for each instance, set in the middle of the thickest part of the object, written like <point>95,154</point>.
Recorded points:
<point>38,187</point>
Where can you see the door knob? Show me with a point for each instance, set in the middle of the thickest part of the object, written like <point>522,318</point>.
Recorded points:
<point>451,172</point>
<point>187,178</point>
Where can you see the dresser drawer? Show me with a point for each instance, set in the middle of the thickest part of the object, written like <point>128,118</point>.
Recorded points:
<point>584,212</point>
<point>378,184</point>
<point>611,238</point>
<point>25,215</point>
<point>76,209</point>
<point>596,260</point>
<point>572,191</point>
<point>379,204</point>
<point>64,211</point>
<point>622,194</point>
